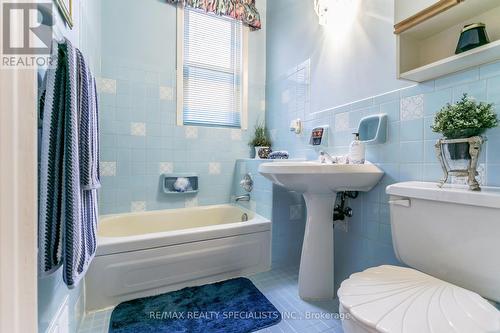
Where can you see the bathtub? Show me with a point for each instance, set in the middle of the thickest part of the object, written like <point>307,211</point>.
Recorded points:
<point>148,253</point>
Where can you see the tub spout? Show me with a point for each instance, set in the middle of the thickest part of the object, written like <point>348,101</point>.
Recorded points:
<point>245,197</point>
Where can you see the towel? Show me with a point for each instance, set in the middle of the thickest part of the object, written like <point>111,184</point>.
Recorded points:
<point>69,176</point>
<point>278,155</point>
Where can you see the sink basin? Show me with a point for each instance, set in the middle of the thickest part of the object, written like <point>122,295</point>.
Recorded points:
<point>315,177</point>
<point>319,184</point>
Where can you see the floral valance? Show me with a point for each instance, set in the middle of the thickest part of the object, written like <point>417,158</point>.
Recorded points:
<point>242,10</point>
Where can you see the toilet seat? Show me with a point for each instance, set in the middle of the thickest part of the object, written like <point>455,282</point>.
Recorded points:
<point>399,299</point>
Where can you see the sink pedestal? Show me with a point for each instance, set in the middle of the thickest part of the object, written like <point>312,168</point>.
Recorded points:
<point>316,262</point>
<point>319,183</point>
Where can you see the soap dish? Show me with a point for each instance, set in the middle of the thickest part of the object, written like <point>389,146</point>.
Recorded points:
<point>373,129</point>
<point>168,181</point>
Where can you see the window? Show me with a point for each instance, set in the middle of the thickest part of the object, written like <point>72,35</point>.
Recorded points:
<point>211,76</point>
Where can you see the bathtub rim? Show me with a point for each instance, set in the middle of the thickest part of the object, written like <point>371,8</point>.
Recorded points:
<point>115,245</point>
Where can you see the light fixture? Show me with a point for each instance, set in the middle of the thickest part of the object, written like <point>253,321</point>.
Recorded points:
<point>333,10</point>
<point>321,8</point>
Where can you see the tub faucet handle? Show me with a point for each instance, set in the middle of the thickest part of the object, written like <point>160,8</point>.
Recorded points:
<point>247,183</point>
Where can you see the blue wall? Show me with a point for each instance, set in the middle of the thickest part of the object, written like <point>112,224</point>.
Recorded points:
<point>409,152</point>
<point>284,208</point>
<point>139,136</point>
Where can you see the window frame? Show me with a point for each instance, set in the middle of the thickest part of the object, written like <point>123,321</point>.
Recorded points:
<point>180,76</point>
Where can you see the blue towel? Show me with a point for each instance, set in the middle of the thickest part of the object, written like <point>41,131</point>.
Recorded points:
<point>69,167</point>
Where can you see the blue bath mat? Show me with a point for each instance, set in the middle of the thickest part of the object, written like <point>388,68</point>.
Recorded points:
<point>233,306</point>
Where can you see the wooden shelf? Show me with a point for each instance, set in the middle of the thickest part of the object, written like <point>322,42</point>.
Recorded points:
<point>479,56</point>
<point>454,15</point>
<point>427,50</point>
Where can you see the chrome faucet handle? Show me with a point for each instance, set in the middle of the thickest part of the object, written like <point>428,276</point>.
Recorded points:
<point>324,157</point>
<point>244,197</point>
<point>247,183</point>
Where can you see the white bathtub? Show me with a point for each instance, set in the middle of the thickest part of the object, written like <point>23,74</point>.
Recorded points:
<point>143,254</point>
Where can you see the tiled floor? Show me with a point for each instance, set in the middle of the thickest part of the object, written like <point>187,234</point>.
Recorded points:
<point>280,287</point>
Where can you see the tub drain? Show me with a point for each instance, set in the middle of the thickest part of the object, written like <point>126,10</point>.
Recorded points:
<point>244,217</point>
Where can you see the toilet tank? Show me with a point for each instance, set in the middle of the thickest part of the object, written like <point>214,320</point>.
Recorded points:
<point>450,233</point>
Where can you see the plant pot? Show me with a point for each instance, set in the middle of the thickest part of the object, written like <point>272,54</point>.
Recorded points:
<point>262,153</point>
<point>459,151</point>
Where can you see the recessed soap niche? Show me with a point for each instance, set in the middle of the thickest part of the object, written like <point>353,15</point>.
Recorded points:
<point>168,182</point>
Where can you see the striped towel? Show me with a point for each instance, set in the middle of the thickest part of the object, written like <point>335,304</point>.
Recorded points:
<point>69,176</point>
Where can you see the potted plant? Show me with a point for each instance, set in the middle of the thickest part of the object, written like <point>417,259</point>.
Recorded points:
<point>464,119</point>
<point>261,142</point>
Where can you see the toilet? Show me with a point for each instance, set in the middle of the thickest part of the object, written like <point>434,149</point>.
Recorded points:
<point>450,239</point>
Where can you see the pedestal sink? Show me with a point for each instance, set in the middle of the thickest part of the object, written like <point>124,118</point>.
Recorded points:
<point>319,184</point>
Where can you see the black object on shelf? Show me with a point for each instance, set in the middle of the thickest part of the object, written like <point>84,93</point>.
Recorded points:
<point>472,36</point>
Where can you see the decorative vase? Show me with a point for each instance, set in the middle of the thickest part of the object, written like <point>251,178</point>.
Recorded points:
<point>459,157</point>
<point>262,153</point>
<point>472,36</point>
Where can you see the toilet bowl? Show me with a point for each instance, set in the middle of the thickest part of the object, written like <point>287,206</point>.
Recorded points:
<point>450,237</point>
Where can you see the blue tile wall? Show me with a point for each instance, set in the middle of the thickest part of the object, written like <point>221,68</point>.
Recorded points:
<point>140,139</point>
<point>284,208</point>
<point>407,155</point>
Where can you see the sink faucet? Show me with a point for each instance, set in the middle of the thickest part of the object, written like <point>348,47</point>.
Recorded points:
<point>244,197</point>
<point>324,157</point>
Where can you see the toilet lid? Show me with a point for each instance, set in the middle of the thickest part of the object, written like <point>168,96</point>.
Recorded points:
<point>398,299</point>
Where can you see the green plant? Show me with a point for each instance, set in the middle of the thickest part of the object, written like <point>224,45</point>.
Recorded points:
<point>464,119</point>
<point>260,138</point>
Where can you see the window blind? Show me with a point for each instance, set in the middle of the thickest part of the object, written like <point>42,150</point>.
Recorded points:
<point>212,70</point>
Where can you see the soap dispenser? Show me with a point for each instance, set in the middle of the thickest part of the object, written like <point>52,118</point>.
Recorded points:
<point>357,151</point>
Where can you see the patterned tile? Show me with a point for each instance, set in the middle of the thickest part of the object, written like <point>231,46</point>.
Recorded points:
<point>214,168</point>
<point>108,169</point>
<point>138,206</point>
<point>106,86</point>
<point>191,132</point>
<point>342,121</point>
<point>263,105</point>
<point>191,202</point>
<point>166,167</point>
<point>412,107</point>
<point>138,129</point>
<point>166,93</point>
<point>273,134</point>
<point>285,97</point>
<point>236,134</point>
